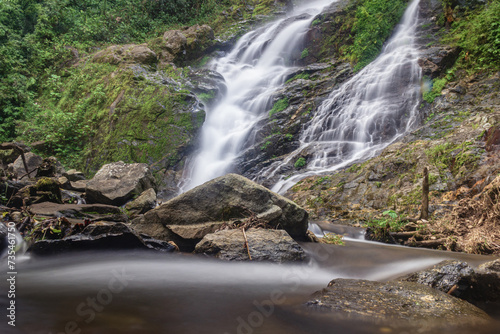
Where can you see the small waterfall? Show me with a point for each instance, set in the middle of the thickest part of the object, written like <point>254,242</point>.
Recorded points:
<point>253,71</point>
<point>367,113</point>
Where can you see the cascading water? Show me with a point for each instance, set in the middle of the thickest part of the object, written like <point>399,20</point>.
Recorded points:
<point>364,115</point>
<point>253,71</point>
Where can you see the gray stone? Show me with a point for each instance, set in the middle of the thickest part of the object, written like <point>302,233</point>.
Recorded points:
<point>192,215</point>
<point>118,182</point>
<point>32,161</point>
<point>142,204</point>
<point>395,304</point>
<point>444,276</point>
<point>263,245</point>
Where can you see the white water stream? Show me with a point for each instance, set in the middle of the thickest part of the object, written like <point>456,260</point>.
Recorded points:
<point>255,68</point>
<point>367,113</point>
<point>374,108</point>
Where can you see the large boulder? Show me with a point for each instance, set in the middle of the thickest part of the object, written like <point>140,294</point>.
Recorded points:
<point>187,218</point>
<point>396,305</point>
<point>118,182</point>
<point>116,54</point>
<point>187,44</point>
<point>263,245</point>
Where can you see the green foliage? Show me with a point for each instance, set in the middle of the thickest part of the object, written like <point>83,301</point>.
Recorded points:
<point>477,33</point>
<point>304,53</point>
<point>289,137</point>
<point>38,37</point>
<point>304,76</point>
<point>333,239</point>
<point>373,24</point>
<point>301,162</point>
<point>391,221</point>
<point>280,105</point>
<point>435,91</point>
<point>265,145</point>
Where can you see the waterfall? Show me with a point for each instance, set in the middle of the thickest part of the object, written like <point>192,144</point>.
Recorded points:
<point>373,109</point>
<point>255,68</point>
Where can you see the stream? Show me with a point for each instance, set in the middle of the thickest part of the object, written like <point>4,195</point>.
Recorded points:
<point>146,292</point>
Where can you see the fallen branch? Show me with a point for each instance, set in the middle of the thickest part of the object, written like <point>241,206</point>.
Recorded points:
<point>246,243</point>
<point>428,243</point>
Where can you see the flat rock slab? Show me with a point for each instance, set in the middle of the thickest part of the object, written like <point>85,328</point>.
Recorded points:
<point>79,211</point>
<point>398,303</point>
<point>99,237</point>
<point>263,245</point>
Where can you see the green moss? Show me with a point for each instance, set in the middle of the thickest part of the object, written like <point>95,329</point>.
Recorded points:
<point>301,162</point>
<point>280,105</point>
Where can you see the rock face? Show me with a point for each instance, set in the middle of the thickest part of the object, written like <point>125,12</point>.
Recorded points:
<point>190,216</point>
<point>102,236</point>
<point>118,182</point>
<point>396,304</point>
<point>263,245</point>
<point>187,44</point>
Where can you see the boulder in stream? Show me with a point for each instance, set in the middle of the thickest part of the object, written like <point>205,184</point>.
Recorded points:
<point>187,218</point>
<point>263,245</point>
<point>398,305</point>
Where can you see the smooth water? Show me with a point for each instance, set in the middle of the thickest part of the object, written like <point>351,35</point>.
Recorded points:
<point>145,292</point>
<point>367,113</point>
<point>255,68</point>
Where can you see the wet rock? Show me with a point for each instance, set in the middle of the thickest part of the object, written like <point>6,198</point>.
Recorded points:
<point>208,85</point>
<point>118,182</point>
<point>490,267</point>
<point>142,204</point>
<point>445,276</point>
<point>263,245</point>
<point>33,161</point>
<point>92,212</point>
<point>189,217</point>
<point>435,60</point>
<point>397,304</point>
<point>116,54</point>
<point>100,236</point>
